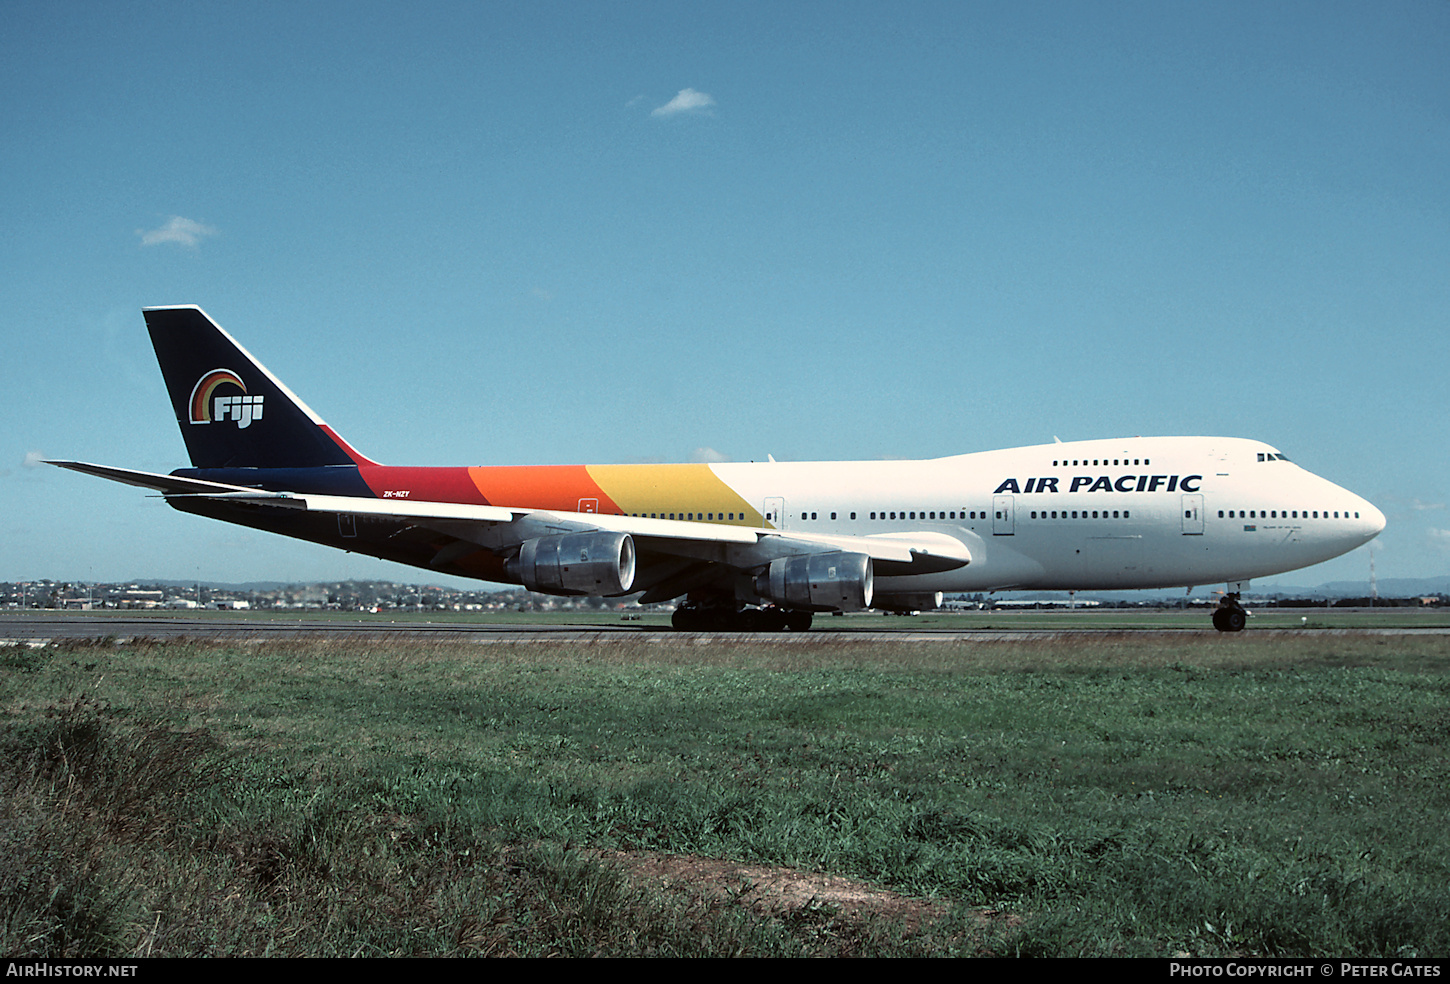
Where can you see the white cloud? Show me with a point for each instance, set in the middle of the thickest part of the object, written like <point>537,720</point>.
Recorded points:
<point>33,459</point>
<point>176,229</point>
<point>688,101</point>
<point>708,455</point>
<point>1440,538</point>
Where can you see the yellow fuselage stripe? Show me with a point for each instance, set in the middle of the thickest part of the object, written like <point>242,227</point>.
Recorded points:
<point>658,490</point>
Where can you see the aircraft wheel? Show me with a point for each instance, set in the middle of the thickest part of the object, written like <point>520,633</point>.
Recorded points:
<point>773,619</point>
<point>694,618</point>
<point>798,621</point>
<point>1229,619</point>
<point>710,618</point>
<point>721,619</point>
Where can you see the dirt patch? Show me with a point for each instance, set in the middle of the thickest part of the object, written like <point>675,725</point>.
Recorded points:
<point>776,891</point>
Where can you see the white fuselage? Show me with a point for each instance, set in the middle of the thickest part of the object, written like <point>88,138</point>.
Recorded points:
<point>1127,513</point>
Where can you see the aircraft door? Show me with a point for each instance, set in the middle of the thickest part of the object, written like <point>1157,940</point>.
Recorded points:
<point>774,512</point>
<point>1002,515</point>
<point>1192,514</point>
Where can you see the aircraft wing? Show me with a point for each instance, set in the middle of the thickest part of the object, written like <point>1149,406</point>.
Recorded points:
<point>501,528</point>
<point>675,556</point>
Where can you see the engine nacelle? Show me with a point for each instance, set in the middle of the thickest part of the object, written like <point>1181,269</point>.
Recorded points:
<point>823,582</point>
<point>595,563</point>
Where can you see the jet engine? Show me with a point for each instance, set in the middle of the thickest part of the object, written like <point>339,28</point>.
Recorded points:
<point>594,563</point>
<point>823,582</point>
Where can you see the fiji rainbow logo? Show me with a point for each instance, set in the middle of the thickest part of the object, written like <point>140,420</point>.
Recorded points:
<point>206,407</point>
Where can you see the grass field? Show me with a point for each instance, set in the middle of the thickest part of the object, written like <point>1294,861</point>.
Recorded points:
<point>1132,794</point>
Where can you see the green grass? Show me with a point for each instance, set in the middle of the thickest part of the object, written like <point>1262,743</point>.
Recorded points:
<point>1110,794</point>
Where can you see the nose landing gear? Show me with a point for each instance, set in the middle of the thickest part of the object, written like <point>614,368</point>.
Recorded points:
<point>1230,616</point>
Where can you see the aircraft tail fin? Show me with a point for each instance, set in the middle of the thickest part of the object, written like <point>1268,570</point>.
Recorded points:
<point>233,413</point>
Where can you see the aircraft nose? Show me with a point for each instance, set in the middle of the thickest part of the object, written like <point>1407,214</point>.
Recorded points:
<point>1369,522</point>
<point>1373,520</point>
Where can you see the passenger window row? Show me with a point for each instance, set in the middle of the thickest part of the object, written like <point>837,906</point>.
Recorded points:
<point>1286,514</point>
<point>912,514</point>
<point>965,514</point>
<point>1079,462</point>
<point>949,514</point>
<point>810,516</point>
<point>706,517</point>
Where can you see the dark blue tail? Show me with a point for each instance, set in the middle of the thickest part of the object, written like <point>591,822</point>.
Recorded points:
<point>233,413</point>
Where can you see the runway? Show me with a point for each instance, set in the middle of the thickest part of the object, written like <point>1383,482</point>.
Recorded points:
<point>39,628</point>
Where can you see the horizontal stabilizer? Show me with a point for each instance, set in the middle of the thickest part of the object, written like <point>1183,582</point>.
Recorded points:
<point>168,484</point>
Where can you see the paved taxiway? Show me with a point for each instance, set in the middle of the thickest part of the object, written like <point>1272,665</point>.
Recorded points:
<point>37,628</point>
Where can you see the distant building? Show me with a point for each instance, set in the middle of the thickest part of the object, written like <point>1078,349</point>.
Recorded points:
<point>137,598</point>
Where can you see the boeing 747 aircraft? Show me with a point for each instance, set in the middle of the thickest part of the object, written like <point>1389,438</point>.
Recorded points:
<point>751,545</point>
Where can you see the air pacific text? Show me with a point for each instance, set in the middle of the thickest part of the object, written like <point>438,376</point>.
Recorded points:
<point>1103,483</point>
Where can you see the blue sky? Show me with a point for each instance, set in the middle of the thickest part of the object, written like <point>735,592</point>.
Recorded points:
<point>515,233</point>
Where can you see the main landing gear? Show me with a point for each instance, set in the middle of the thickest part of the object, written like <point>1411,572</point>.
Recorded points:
<point>719,618</point>
<point>1230,616</point>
